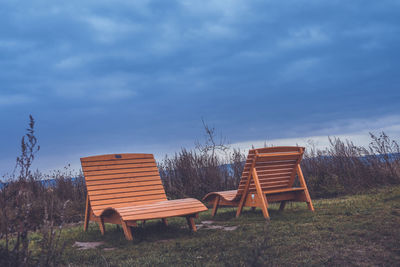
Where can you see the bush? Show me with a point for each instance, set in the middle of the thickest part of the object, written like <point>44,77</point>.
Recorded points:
<point>344,168</point>
<point>28,203</point>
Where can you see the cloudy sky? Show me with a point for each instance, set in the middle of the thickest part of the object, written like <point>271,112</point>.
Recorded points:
<point>139,76</point>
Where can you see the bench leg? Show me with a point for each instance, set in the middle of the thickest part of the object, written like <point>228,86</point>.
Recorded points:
<point>264,206</point>
<point>87,214</point>
<point>303,184</point>
<point>307,198</point>
<point>191,224</point>
<point>282,206</point>
<point>310,205</point>
<point>215,206</point>
<point>164,221</point>
<point>127,230</point>
<point>101,226</point>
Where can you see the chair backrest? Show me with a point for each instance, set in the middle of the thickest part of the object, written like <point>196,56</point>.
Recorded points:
<point>121,180</point>
<point>275,166</point>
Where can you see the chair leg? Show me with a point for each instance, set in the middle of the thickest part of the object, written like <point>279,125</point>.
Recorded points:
<point>164,221</point>
<point>264,206</point>
<point>87,215</point>
<point>127,230</point>
<point>310,205</point>
<point>86,224</point>
<point>240,206</point>
<point>101,226</point>
<point>191,224</point>
<point>261,196</point>
<point>282,206</point>
<point>308,200</point>
<point>215,206</point>
<point>303,184</point>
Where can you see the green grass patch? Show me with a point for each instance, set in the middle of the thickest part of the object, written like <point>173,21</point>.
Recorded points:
<point>354,230</point>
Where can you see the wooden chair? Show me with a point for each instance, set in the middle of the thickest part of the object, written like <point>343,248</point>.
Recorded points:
<point>125,188</point>
<point>268,176</point>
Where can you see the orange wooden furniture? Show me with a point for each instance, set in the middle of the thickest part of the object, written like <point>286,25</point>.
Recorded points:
<point>268,176</point>
<point>125,188</point>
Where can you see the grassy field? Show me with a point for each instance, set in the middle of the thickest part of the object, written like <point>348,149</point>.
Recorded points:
<point>354,230</point>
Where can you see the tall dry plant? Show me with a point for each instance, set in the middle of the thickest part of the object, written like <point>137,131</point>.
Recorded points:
<point>344,168</point>
<point>24,201</point>
<point>196,172</point>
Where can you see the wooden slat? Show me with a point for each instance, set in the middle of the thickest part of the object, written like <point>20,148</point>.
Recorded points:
<point>130,200</point>
<point>113,157</point>
<point>132,170</point>
<point>121,175</point>
<point>272,181</point>
<point>266,181</point>
<point>160,206</point>
<point>274,175</point>
<point>273,171</point>
<point>123,180</point>
<point>274,162</point>
<point>130,184</point>
<point>267,186</point>
<point>273,166</point>
<point>271,178</point>
<point>116,162</point>
<point>165,214</point>
<point>156,207</point>
<point>99,208</point>
<point>270,187</point>
<point>167,208</point>
<point>278,149</point>
<point>125,190</point>
<point>278,158</point>
<point>127,194</point>
<point>274,155</point>
<point>283,190</point>
<point>118,167</point>
<point>227,195</point>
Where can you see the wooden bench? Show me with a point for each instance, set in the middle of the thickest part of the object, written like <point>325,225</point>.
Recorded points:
<point>126,188</point>
<point>268,176</point>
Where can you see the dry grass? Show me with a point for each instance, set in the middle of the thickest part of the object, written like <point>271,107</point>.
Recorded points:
<point>355,230</point>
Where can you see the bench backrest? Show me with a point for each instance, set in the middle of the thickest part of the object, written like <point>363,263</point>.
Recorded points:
<point>275,166</point>
<point>120,180</point>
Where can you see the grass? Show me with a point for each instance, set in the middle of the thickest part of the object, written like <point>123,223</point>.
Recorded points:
<point>354,230</point>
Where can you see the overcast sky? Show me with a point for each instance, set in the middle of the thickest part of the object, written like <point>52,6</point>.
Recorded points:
<point>138,76</point>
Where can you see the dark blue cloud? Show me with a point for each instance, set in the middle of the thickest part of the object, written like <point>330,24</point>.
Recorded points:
<point>104,76</point>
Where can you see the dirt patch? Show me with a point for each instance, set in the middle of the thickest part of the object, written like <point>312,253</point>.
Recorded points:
<point>109,249</point>
<point>165,240</point>
<point>209,225</point>
<point>87,245</point>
